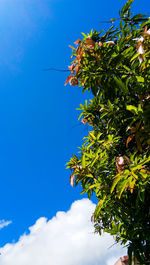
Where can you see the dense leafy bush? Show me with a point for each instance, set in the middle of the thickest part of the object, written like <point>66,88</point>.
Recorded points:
<point>114,160</point>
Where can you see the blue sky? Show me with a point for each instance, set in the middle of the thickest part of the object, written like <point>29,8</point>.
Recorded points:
<point>39,127</point>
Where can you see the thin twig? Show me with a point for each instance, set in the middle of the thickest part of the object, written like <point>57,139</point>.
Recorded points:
<point>55,69</point>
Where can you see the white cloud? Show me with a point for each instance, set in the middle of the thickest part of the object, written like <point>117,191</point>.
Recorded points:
<point>67,239</point>
<point>4,223</point>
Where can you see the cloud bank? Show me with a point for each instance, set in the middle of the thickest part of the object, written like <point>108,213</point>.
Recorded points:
<point>66,239</point>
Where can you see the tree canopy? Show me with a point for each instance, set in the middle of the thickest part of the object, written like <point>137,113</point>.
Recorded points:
<point>114,160</point>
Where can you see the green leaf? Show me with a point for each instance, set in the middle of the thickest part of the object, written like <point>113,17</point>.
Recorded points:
<point>126,68</point>
<point>118,177</point>
<point>93,162</point>
<point>84,34</point>
<point>83,161</point>
<point>140,79</point>
<point>134,57</point>
<point>80,116</point>
<point>132,108</point>
<point>92,135</point>
<point>121,85</point>
<point>125,52</point>
<point>98,136</point>
<point>140,108</point>
<point>122,187</point>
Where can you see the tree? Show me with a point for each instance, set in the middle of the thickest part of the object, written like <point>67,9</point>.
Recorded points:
<point>114,160</point>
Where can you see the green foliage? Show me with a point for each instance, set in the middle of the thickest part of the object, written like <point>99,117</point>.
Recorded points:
<point>114,160</point>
